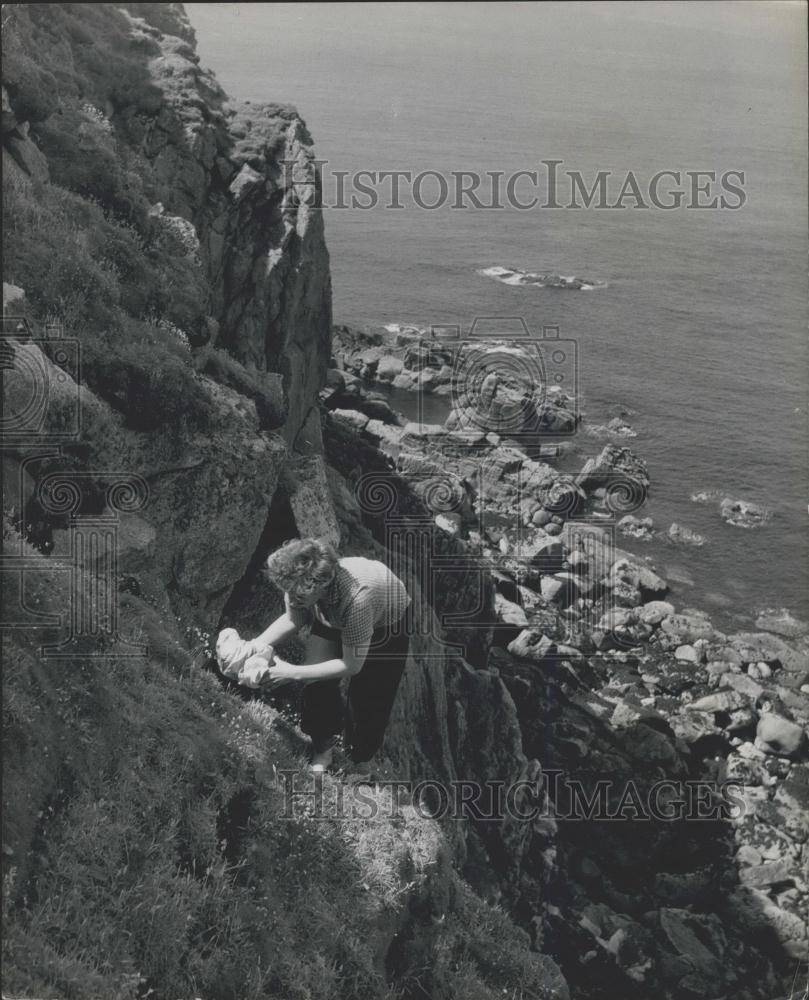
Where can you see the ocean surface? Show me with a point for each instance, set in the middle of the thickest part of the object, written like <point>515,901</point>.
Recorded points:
<point>701,328</point>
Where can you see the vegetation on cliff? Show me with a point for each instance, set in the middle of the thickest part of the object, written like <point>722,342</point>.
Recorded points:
<point>79,235</point>
<point>150,849</point>
<point>147,846</point>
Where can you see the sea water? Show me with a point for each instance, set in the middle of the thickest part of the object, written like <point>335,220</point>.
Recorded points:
<point>700,329</point>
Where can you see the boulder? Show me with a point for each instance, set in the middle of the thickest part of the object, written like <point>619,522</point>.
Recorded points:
<point>791,803</point>
<point>385,436</point>
<point>532,645</point>
<point>578,562</point>
<point>719,652</point>
<point>404,380</point>
<point>378,409</point>
<point>541,517</point>
<point>743,684</point>
<point>747,772</point>
<point>759,671</point>
<point>646,743</point>
<point>422,434</point>
<point>741,719</point>
<point>626,715</point>
<point>686,628</point>
<point>697,938</point>
<point>334,386</point>
<point>693,727</point>
<point>763,647</point>
<point>542,555</point>
<point>351,418</point>
<point>640,578</point>
<point>388,368</point>
<point>450,522</point>
<point>420,356</point>
<point>563,499</point>
<point>552,418</point>
<point>616,617</point>
<point>721,701</point>
<point>614,465</point>
<point>369,361</point>
<point>780,736</point>
<point>653,612</point>
<point>759,914</point>
<point>540,478</point>
<point>555,590</point>
<point>528,508</point>
<point>509,612</point>
<point>761,876</point>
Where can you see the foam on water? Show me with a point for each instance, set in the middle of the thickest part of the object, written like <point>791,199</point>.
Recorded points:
<point>516,276</point>
<point>702,327</point>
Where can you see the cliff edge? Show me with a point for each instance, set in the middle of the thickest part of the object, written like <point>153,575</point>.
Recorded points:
<point>167,330</point>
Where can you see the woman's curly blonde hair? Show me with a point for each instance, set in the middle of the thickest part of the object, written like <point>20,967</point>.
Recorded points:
<point>302,565</point>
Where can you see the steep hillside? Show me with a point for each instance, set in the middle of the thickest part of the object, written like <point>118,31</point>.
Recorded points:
<point>167,329</point>
<point>176,405</point>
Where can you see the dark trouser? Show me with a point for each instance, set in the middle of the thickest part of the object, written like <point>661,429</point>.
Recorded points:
<point>371,694</point>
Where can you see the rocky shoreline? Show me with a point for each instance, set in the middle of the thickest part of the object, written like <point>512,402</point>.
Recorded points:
<point>146,846</point>
<point>658,690</point>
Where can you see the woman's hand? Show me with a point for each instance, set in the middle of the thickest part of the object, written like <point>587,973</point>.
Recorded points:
<point>277,673</point>
<point>254,672</point>
<point>265,649</point>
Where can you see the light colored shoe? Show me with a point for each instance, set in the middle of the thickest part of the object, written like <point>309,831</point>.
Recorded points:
<point>322,757</point>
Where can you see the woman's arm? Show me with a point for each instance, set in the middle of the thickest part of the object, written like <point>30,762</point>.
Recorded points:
<point>351,663</point>
<point>282,628</point>
<point>281,672</point>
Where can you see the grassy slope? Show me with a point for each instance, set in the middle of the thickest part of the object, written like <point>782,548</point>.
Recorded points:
<point>78,235</point>
<point>148,844</point>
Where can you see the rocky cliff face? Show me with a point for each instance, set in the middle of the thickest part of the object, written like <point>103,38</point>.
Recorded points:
<point>244,175</point>
<point>175,237</point>
<point>231,188</point>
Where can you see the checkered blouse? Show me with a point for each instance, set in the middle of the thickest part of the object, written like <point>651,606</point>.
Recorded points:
<point>364,595</point>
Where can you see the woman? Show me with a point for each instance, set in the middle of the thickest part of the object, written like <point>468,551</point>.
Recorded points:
<point>356,608</point>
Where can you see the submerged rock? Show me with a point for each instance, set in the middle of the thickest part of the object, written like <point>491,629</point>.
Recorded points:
<point>685,536</point>
<point>742,514</point>
<point>637,527</point>
<point>781,623</point>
